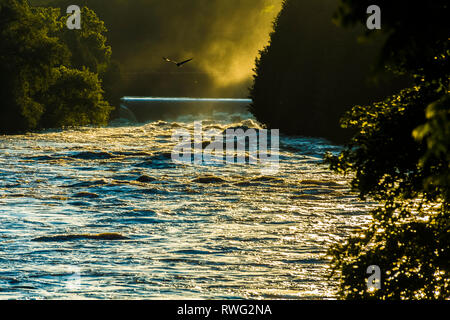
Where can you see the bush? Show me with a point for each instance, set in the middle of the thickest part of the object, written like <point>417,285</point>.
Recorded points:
<point>312,71</point>
<point>75,98</point>
<point>38,57</point>
<point>400,157</point>
<point>409,235</point>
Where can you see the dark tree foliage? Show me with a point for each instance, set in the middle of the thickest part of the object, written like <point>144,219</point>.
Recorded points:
<point>436,134</point>
<point>216,33</point>
<point>313,71</point>
<point>74,99</point>
<point>400,157</point>
<point>417,33</point>
<point>37,56</point>
<point>89,49</point>
<point>27,54</point>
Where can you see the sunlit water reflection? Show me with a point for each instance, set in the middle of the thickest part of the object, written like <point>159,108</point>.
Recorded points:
<point>246,237</point>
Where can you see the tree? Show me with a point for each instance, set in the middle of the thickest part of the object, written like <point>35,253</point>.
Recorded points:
<point>75,98</point>
<point>400,157</point>
<point>436,134</point>
<point>89,49</point>
<point>312,71</point>
<point>37,56</point>
<point>416,34</point>
<point>88,45</point>
<point>28,52</point>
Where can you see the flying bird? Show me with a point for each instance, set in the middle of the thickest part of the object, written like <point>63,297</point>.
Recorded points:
<point>178,64</point>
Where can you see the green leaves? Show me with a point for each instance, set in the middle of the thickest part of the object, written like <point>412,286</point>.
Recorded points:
<point>48,76</point>
<point>400,156</point>
<point>313,71</point>
<point>88,45</point>
<point>436,133</point>
<point>75,99</point>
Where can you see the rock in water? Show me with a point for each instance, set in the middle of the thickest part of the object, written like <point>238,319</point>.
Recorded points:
<point>86,195</point>
<point>209,179</point>
<point>267,179</point>
<point>72,237</point>
<point>92,155</point>
<point>145,179</point>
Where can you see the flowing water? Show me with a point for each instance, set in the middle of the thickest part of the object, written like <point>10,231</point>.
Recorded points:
<point>234,234</point>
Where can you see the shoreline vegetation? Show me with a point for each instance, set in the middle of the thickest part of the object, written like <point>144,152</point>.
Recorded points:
<point>312,79</point>
<point>400,156</point>
<point>52,77</point>
<point>313,71</point>
<point>398,146</point>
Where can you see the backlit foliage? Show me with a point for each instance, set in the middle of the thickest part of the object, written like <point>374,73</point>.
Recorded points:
<point>400,157</point>
<point>48,77</point>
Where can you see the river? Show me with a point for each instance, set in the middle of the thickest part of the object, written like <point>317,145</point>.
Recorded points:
<point>239,235</point>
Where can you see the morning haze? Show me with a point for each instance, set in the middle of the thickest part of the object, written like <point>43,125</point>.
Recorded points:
<point>223,37</point>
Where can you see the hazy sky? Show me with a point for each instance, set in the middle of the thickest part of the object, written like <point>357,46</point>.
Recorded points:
<point>223,37</point>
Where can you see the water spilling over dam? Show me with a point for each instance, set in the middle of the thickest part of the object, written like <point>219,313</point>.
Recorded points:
<point>145,109</point>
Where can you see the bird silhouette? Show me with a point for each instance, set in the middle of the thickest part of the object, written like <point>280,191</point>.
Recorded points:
<point>178,64</point>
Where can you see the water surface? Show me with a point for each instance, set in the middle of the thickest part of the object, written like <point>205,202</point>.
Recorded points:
<point>241,235</point>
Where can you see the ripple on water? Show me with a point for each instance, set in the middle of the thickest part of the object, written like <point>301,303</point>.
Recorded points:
<point>75,237</point>
<point>92,155</point>
<point>109,206</point>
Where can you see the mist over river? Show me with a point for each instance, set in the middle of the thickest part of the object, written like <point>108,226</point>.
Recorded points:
<point>180,231</point>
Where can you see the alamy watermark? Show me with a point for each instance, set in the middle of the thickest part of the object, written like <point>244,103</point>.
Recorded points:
<point>232,146</point>
<point>73,282</point>
<point>374,20</point>
<point>374,280</point>
<point>74,20</point>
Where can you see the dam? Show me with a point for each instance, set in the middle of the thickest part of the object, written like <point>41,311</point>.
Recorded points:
<point>145,109</point>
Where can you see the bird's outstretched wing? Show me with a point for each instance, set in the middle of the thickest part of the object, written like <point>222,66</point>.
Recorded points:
<point>178,64</point>
<point>183,62</point>
<point>168,60</point>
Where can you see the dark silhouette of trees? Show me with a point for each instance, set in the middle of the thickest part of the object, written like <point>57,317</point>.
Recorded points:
<point>73,99</point>
<point>400,157</point>
<point>89,49</point>
<point>313,71</point>
<point>48,76</point>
